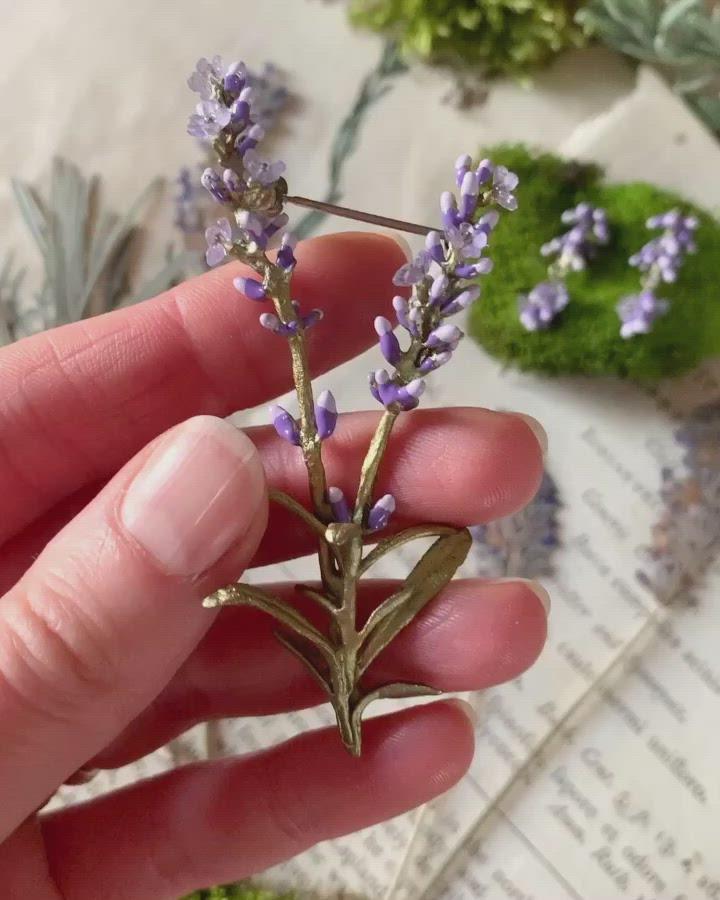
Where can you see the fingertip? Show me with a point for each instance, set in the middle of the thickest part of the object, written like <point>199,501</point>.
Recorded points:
<point>475,635</point>
<point>421,752</point>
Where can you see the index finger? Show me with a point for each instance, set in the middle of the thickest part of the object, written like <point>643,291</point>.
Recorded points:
<point>76,403</point>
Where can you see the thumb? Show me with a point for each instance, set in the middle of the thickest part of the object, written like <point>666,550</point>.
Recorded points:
<point>111,608</point>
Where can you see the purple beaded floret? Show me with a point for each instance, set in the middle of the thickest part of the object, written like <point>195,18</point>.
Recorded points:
<point>572,252</point>
<point>660,260</point>
<point>443,278</point>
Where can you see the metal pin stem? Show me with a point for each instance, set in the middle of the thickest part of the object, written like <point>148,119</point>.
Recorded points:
<point>345,213</point>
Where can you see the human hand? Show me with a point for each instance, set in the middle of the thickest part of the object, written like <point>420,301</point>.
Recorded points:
<point>114,528</point>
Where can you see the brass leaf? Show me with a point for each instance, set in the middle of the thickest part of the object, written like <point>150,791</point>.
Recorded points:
<point>396,691</point>
<point>250,595</point>
<point>434,570</point>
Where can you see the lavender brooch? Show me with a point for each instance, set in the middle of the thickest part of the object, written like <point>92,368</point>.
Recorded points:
<point>442,279</point>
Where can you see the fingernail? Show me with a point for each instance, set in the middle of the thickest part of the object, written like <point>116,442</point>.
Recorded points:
<point>402,243</point>
<point>196,496</point>
<point>467,709</point>
<point>536,429</point>
<point>538,589</point>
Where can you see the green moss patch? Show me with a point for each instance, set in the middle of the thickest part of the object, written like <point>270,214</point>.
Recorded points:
<point>237,892</point>
<point>585,338</point>
<point>500,36</point>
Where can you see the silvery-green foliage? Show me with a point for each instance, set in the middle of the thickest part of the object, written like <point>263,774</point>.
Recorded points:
<point>522,545</point>
<point>11,315</point>
<point>686,539</point>
<point>86,251</point>
<point>681,37</point>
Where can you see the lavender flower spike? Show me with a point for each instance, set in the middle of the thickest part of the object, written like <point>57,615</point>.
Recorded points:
<point>338,504</point>
<point>660,260</point>
<point>380,514</point>
<point>639,312</point>
<point>442,277</point>
<point>326,415</point>
<point>285,425</point>
<point>539,308</point>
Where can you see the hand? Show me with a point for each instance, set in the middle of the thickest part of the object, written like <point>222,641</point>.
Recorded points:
<point>125,501</point>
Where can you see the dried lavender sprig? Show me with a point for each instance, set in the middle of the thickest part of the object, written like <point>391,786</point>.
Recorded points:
<point>686,539</point>
<point>521,545</point>
<point>660,260</point>
<point>571,251</point>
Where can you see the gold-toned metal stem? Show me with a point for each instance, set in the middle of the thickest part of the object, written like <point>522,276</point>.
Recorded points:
<point>371,465</point>
<point>359,216</point>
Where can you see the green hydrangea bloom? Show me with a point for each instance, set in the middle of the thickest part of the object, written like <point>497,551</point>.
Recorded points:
<point>585,339</point>
<point>237,892</point>
<point>497,36</point>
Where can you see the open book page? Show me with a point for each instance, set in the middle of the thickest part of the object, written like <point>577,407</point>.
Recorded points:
<point>621,799</point>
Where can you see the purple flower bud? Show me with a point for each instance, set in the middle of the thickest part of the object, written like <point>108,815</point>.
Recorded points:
<point>338,504</point>
<point>389,344</point>
<point>232,181</point>
<point>326,415</point>
<point>285,425</point>
<point>439,289</point>
<point>400,305</point>
<point>448,207</point>
<point>382,388</point>
<point>272,323</point>
<point>415,320</point>
<point>240,110</point>
<point>252,289</point>
<point>215,186</point>
<point>286,255</point>
<point>235,76</point>
<point>409,395</point>
<point>250,140</point>
<point>312,318</point>
<point>462,167</point>
<point>379,516</point>
<point>434,246</point>
<point>481,267</point>
<point>430,363</point>
<point>469,194</point>
<point>489,221</point>
<point>445,336</point>
<point>485,171</point>
<point>274,227</point>
<point>252,225</point>
<point>461,301</point>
